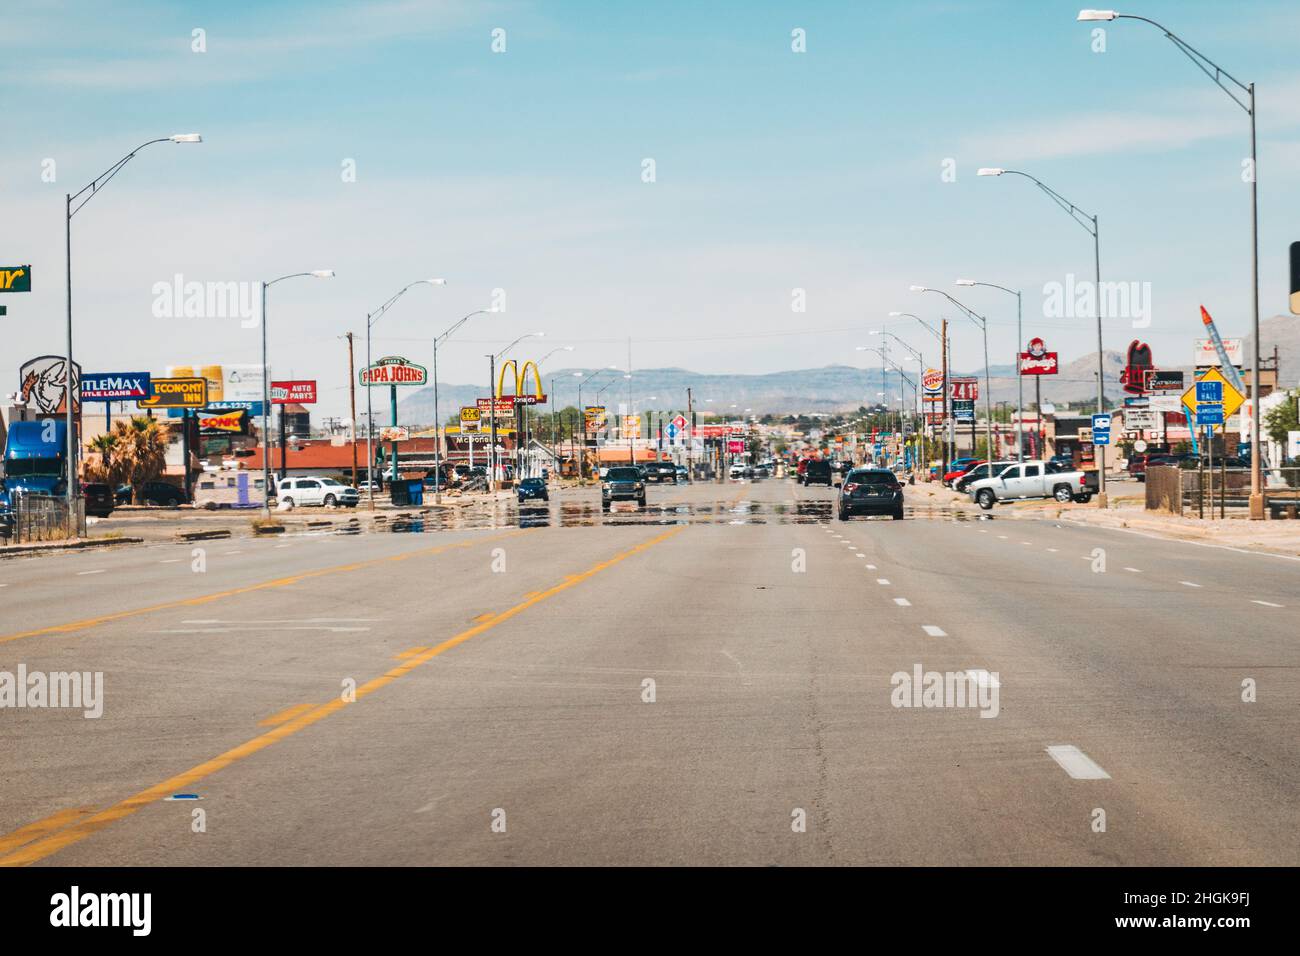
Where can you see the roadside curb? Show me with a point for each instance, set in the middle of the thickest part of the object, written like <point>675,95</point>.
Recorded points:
<point>55,547</point>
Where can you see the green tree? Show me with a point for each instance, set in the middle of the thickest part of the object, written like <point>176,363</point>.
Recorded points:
<point>1285,418</point>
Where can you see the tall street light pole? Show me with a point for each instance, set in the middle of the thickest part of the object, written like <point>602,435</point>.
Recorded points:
<point>73,202</point>
<point>1218,75</point>
<point>371,319</point>
<point>1020,379</point>
<point>266,386</point>
<point>1090,224</point>
<point>942,337</point>
<point>437,416</point>
<point>983,323</point>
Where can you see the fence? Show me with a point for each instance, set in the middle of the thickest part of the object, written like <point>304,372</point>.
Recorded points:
<point>1207,494</point>
<point>41,518</point>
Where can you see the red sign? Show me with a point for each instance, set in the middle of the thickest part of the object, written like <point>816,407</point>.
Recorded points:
<point>714,431</point>
<point>299,392</point>
<point>505,406</point>
<point>735,446</point>
<point>964,389</point>
<point>1038,361</point>
<point>1133,375</point>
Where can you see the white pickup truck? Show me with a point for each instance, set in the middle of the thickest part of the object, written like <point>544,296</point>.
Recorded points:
<point>1033,479</point>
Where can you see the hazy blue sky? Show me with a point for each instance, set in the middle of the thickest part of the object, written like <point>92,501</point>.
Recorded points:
<point>522,170</point>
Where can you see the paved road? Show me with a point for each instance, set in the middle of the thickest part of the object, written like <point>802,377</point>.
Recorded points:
<point>501,663</point>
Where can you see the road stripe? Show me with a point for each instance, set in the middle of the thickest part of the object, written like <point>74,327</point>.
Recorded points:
<point>1077,763</point>
<point>882,580</point>
<point>871,567</point>
<point>1134,570</point>
<point>1189,584</point>
<point>96,571</point>
<point>56,821</point>
<point>902,602</point>
<point>287,714</point>
<point>934,631</point>
<point>1266,603</point>
<point>48,845</point>
<point>1053,550</point>
<point>249,588</point>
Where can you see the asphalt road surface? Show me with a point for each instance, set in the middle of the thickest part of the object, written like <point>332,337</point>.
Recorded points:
<point>717,679</point>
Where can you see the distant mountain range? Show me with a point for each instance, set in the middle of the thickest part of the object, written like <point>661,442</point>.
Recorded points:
<point>834,388</point>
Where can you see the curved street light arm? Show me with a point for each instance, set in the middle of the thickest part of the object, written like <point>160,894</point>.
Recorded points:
<point>1078,215</point>
<point>1203,62</point>
<point>102,180</point>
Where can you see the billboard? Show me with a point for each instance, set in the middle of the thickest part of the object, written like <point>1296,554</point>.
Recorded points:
<point>223,423</point>
<point>15,278</point>
<point>297,392</point>
<point>1036,360</point>
<point>177,393</point>
<point>115,386</point>
<point>1206,355</point>
<point>42,383</point>
<point>594,417</point>
<point>394,370</point>
<point>394,433</point>
<point>226,383</point>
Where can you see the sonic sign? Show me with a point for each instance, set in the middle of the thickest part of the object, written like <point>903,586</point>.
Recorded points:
<point>394,370</point>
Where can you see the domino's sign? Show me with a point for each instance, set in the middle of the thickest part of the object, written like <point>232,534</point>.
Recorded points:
<point>115,386</point>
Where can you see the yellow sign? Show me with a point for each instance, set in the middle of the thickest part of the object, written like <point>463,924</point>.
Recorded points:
<point>1232,399</point>
<point>176,393</point>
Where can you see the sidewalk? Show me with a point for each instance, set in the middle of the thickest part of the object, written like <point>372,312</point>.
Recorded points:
<point>1127,511</point>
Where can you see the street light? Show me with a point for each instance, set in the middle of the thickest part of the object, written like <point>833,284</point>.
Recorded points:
<point>266,385</point>
<point>988,386</point>
<point>93,187</point>
<point>1020,380</point>
<point>1090,225</point>
<point>371,319</point>
<point>437,418</point>
<point>1218,75</point>
<point>583,411</point>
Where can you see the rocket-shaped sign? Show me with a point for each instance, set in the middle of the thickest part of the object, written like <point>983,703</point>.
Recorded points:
<point>1229,370</point>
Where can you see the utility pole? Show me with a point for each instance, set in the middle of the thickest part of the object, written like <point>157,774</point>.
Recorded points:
<point>690,436</point>
<point>492,444</point>
<point>352,398</point>
<point>947,428</point>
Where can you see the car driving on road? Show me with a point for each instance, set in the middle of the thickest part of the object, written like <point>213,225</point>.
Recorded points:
<point>871,491</point>
<point>533,489</point>
<point>818,472</point>
<point>622,483</point>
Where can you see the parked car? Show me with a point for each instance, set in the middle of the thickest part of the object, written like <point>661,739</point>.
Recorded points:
<point>98,497</point>
<point>984,469</point>
<point>958,467</point>
<point>871,491</point>
<point>327,492</point>
<point>682,474</point>
<point>531,489</point>
<point>161,493</point>
<point>1063,462</point>
<point>622,483</point>
<point>1033,479</point>
<point>818,472</point>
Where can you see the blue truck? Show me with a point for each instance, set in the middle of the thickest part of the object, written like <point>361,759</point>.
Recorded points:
<point>34,458</point>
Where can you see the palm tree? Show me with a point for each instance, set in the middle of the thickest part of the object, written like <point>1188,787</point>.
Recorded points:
<point>106,469</point>
<point>141,452</point>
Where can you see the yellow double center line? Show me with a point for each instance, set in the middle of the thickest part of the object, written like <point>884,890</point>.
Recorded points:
<point>261,586</point>
<point>79,830</point>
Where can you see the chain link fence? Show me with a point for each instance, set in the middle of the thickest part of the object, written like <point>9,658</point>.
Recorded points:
<point>42,518</point>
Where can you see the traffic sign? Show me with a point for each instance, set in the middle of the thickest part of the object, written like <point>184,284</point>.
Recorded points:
<point>1209,413</point>
<point>1209,391</point>
<point>1101,429</point>
<point>1214,389</point>
<point>680,422</point>
<point>671,430</point>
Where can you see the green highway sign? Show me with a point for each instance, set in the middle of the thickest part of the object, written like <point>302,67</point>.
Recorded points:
<point>15,278</point>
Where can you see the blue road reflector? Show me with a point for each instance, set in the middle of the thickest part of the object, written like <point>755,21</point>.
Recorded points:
<point>183,796</point>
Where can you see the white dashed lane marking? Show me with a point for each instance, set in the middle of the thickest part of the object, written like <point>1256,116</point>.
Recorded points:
<point>96,571</point>
<point>1077,763</point>
<point>902,602</point>
<point>1190,584</point>
<point>1134,570</point>
<point>934,631</point>
<point>1266,603</point>
<point>882,580</point>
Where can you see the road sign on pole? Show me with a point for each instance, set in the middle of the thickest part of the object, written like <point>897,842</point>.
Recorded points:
<point>1101,429</point>
<point>1213,392</point>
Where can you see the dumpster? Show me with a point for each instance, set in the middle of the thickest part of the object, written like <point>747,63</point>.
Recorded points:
<point>399,493</point>
<point>415,491</point>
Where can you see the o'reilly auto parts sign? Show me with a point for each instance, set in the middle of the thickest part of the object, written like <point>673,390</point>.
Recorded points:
<point>112,386</point>
<point>15,278</point>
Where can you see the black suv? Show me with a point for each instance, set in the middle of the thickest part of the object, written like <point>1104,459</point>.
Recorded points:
<point>871,491</point>
<point>162,493</point>
<point>818,472</point>
<point>661,471</point>
<point>622,483</point>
